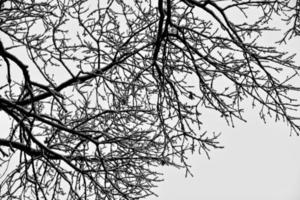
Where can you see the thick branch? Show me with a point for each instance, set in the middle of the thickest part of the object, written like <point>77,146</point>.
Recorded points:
<point>22,147</point>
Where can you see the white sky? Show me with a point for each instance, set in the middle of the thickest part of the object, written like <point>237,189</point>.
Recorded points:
<point>260,162</point>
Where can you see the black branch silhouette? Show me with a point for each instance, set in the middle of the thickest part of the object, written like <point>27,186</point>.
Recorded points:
<point>100,93</point>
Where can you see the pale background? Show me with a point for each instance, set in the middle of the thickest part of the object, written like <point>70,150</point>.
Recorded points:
<point>259,162</point>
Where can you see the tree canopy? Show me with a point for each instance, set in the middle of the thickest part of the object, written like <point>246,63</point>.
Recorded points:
<point>100,93</point>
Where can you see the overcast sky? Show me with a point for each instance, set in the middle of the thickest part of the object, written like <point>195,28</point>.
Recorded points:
<point>260,162</point>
